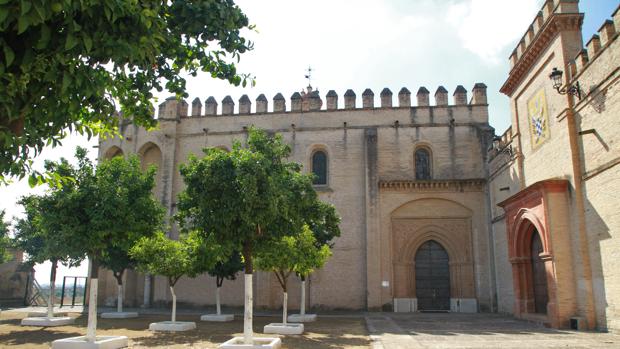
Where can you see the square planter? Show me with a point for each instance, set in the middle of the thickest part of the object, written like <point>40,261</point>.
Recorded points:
<point>101,342</point>
<point>119,315</point>
<point>301,318</point>
<point>47,321</point>
<point>170,326</point>
<point>217,318</point>
<point>258,343</point>
<point>278,328</point>
<point>44,313</point>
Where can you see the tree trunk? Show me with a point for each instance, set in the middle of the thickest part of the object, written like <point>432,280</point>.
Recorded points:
<point>284,306</point>
<point>174,304</point>
<point>302,307</point>
<point>119,296</point>
<point>147,291</point>
<point>91,330</point>
<point>50,302</point>
<point>217,301</point>
<point>247,315</point>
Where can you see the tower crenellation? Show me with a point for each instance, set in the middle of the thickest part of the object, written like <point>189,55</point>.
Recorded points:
<point>607,34</point>
<point>349,99</point>
<point>279,103</point>
<point>196,107</point>
<point>211,106</point>
<point>368,99</point>
<point>310,101</point>
<point>441,96</point>
<point>261,104</point>
<point>332,100</point>
<point>228,106</point>
<point>386,98</point>
<point>245,105</point>
<point>296,102</point>
<point>404,98</point>
<point>460,95</point>
<point>423,97</point>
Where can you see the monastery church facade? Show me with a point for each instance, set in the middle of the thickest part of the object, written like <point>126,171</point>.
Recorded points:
<point>438,213</point>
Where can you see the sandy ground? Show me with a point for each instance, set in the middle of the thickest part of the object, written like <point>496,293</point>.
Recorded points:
<point>327,332</point>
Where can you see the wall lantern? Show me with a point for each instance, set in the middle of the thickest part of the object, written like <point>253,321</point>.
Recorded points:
<point>556,79</point>
<point>499,147</point>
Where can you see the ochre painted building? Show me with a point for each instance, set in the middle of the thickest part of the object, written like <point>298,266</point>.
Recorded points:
<point>437,213</point>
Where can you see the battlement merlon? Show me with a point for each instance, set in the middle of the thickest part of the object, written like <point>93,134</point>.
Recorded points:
<point>304,102</point>
<point>607,34</point>
<point>555,16</point>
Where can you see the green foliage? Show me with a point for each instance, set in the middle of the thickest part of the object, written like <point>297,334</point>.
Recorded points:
<point>293,254</point>
<point>128,196</point>
<point>172,258</point>
<point>5,241</point>
<point>227,269</point>
<point>66,64</point>
<point>41,234</point>
<point>245,198</point>
<point>102,211</point>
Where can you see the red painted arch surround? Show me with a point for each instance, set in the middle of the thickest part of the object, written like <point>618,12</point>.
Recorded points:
<point>527,212</point>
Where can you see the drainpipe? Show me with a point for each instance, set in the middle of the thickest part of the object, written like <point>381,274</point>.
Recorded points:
<point>584,252</point>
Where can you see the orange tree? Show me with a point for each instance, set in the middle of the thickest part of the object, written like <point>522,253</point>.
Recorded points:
<point>66,64</point>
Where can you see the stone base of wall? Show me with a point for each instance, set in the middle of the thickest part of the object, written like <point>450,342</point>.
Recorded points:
<point>463,305</point>
<point>457,305</point>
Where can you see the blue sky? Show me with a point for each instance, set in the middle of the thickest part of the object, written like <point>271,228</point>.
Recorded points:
<point>361,44</point>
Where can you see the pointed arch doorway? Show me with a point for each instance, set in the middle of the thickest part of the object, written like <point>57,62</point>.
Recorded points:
<point>432,277</point>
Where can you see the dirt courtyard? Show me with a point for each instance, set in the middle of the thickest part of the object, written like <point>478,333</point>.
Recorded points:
<point>327,332</point>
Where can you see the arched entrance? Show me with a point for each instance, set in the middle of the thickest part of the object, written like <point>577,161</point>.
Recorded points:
<point>432,277</point>
<point>539,275</point>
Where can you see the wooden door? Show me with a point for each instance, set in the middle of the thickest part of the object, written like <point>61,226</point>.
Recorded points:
<point>432,277</point>
<point>539,276</point>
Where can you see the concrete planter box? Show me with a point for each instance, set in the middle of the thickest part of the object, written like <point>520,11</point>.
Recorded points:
<point>301,318</point>
<point>47,321</point>
<point>44,313</point>
<point>102,342</point>
<point>258,343</point>
<point>217,318</point>
<point>278,328</point>
<point>170,326</point>
<point>119,315</point>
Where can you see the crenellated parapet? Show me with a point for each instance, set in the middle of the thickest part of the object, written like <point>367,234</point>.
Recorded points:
<point>555,16</point>
<point>311,101</point>
<point>607,33</point>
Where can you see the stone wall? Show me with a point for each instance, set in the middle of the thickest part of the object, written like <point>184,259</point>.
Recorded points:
<point>365,146</point>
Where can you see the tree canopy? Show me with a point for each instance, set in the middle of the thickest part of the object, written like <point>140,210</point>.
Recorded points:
<point>245,198</point>
<point>293,254</point>
<point>172,258</point>
<point>105,208</point>
<point>40,232</point>
<point>143,216</point>
<point>67,64</point>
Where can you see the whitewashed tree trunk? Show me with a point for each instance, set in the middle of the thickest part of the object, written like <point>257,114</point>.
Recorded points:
<point>147,291</point>
<point>284,306</point>
<point>119,299</point>
<point>302,308</point>
<point>91,330</point>
<point>50,301</point>
<point>247,318</point>
<point>174,304</point>
<point>217,301</point>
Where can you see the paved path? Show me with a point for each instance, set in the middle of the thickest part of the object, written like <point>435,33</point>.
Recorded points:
<point>413,331</point>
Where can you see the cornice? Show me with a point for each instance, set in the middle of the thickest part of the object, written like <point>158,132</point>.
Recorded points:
<point>453,185</point>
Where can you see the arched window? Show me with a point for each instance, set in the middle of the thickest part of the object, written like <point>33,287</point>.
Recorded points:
<point>422,164</point>
<point>319,168</point>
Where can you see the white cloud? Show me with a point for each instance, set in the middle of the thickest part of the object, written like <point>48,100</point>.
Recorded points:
<point>487,27</point>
